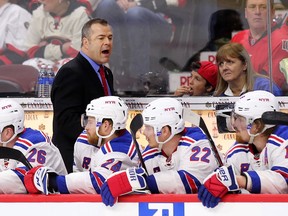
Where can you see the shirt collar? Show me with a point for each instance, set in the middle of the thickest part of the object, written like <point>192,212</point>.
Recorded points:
<point>93,63</point>
<point>228,91</point>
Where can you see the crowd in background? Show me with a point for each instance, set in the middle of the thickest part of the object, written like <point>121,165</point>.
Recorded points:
<point>91,150</point>
<point>147,38</point>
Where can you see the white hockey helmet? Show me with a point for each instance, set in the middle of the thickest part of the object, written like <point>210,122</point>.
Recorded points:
<point>108,107</point>
<point>253,104</point>
<point>162,112</point>
<point>11,113</point>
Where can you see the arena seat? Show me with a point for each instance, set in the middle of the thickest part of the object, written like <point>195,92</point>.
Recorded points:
<point>18,80</point>
<point>8,86</point>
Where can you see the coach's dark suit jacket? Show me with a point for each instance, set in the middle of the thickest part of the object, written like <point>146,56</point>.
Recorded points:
<point>75,85</point>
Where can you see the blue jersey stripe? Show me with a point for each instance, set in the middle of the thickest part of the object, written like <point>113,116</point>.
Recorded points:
<point>151,156</point>
<point>84,141</point>
<point>237,151</point>
<point>96,184</point>
<point>188,187</point>
<point>152,184</point>
<point>274,143</point>
<point>184,144</point>
<point>62,186</point>
<point>256,183</point>
<point>21,146</point>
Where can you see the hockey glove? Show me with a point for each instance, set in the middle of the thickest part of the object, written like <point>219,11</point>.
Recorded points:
<point>36,180</point>
<point>122,182</point>
<point>217,185</point>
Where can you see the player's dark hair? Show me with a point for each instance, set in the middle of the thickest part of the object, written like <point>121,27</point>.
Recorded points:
<point>107,119</point>
<point>9,126</point>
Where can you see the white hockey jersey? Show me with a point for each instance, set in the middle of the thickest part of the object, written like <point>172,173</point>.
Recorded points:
<point>55,31</point>
<point>14,24</point>
<point>267,171</point>
<point>83,153</point>
<point>39,150</point>
<point>117,154</point>
<point>185,170</point>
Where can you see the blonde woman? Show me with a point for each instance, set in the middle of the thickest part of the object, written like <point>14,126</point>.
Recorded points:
<point>236,74</point>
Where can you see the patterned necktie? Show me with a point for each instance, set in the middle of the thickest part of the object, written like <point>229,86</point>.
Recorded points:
<point>104,83</point>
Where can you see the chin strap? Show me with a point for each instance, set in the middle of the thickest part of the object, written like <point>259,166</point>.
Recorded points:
<point>252,136</point>
<point>5,143</point>
<point>99,141</point>
<point>162,143</point>
<point>100,136</point>
<point>251,139</point>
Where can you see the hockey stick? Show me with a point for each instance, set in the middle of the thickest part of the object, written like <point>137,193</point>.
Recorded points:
<point>197,120</point>
<point>135,125</point>
<point>10,153</point>
<point>274,117</point>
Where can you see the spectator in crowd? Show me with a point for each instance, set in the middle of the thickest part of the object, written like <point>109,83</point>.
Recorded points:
<point>113,150</point>
<point>255,41</point>
<point>93,4</point>
<point>29,5</point>
<point>139,26</point>
<point>257,162</point>
<point>78,82</point>
<point>34,144</point>
<point>221,26</point>
<point>13,29</point>
<point>236,74</point>
<point>175,153</point>
<point>202,82</point>
<point>55,31</point>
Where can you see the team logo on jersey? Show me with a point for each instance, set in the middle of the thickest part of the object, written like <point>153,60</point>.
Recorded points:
<point>169,163</point>
<point>285,45</point>
<point>161,209</point>
<point>6,163</point>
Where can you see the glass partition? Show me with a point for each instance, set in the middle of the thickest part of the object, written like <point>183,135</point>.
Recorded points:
<point>157,44</point>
